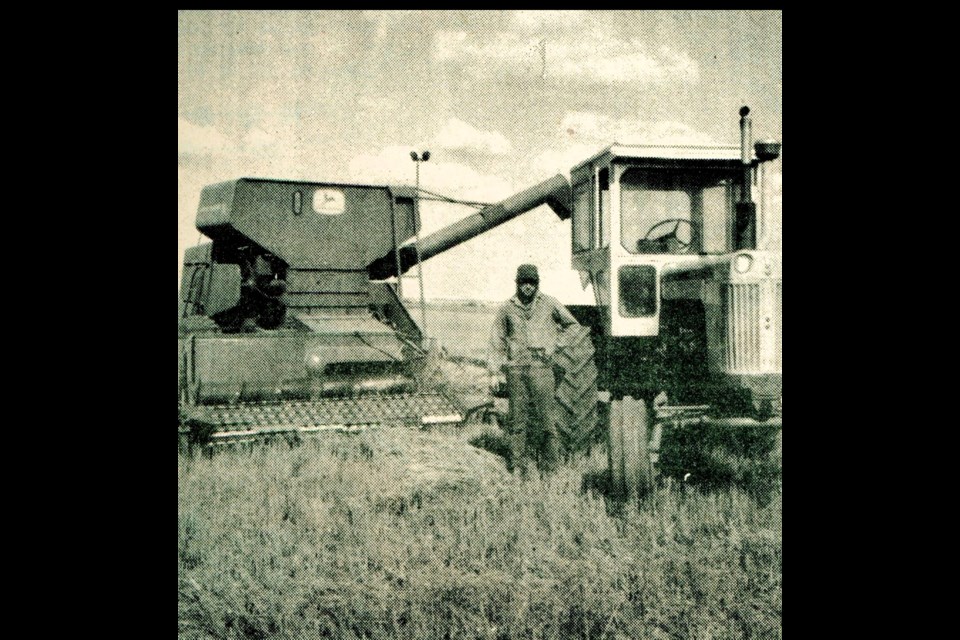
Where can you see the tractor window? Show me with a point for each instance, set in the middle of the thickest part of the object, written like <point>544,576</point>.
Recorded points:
<point>638,291</point>
<point>604,188</point>
<point>654,207</point>
<point>717,201</point>
<point>582,220</point>
<point>670,212</point>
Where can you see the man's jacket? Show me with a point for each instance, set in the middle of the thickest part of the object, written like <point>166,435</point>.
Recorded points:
<point>527,334</point>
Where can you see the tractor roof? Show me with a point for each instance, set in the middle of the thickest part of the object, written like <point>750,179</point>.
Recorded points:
<point>722,153</point>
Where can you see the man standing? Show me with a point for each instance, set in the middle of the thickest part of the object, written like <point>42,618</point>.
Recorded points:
<point>522,343</point>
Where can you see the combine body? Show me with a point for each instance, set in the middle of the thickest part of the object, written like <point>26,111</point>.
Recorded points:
<point>280,325</point>
<point>286,322</point>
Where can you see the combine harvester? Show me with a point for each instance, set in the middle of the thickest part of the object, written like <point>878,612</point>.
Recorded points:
<point>286,322</point>
<point>290,320</point>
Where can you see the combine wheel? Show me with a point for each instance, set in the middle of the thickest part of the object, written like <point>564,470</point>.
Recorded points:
<point>629,460</point>
<point>576,390</point>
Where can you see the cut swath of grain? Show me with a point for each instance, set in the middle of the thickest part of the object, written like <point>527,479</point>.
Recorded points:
<point>421,461</point>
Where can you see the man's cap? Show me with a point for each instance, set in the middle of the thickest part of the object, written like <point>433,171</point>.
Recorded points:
<point>527,273</point>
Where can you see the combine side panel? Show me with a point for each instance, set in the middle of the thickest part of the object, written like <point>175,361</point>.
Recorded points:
<point>778,320</point>
<point>387,306</point>
<point>254,385</point>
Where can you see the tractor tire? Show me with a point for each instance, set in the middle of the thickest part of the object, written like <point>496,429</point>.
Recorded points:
<point>615,448</point>
<point>576,393</point>
<point>627,454</point>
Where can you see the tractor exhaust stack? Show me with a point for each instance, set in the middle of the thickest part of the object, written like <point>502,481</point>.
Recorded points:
<point>745,228</point>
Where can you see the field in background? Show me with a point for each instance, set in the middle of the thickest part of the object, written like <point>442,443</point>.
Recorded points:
<point>462,328</point>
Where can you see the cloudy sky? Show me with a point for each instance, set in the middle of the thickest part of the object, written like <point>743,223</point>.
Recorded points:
<point>502,99</point>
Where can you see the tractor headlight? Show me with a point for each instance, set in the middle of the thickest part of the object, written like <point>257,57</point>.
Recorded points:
<point>743,262</point>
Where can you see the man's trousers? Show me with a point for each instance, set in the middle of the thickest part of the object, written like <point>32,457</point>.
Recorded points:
<point>531,389</point>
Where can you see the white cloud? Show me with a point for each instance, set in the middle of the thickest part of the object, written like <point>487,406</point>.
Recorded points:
<point>534,20</point>
<point>459,135</point>
<point>669,132</point>
<point>561,157</point>
<point>387,19</point>
<point>616,61</point>
<point>584,126</point>
<point>581,134</point>
<point>388,15</point>
<point>571,56</point>
<point>498,53</point>
<point>274,146</point>
<point>589,126</point>
<point>392,165</point>
<point>196,140</point>
<point>448,45</point>
<point>257,139</point>
<point>327,47</point>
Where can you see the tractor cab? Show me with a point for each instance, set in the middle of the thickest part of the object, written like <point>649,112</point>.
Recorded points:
<point>637,208</point>
<point>668,200</point>
<point>679,244</point>
<point>642,211</point>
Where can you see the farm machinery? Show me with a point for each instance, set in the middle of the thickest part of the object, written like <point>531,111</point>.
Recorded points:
<point>290,319</point>
<point>287,323</point>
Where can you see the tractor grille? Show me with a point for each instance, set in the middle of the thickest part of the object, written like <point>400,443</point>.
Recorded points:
<point>778,324</point>
<point>743,328</point>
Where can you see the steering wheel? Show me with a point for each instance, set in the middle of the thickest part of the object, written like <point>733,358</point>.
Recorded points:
<point>684,244</point>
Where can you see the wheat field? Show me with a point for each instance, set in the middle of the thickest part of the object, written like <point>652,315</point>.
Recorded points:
<point>322,541</point>
<point>411,534</point>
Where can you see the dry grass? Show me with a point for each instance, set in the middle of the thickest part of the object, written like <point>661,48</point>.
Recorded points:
<point>344,538</point>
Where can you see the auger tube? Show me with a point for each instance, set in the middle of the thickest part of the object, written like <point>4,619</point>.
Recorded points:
<point>554,192</point>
